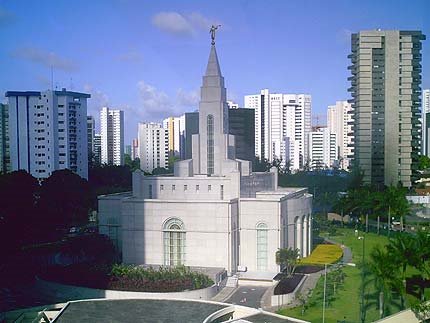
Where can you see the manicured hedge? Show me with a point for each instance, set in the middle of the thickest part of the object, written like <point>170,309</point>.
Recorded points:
<point>323,254</point>
<point>129,278</point>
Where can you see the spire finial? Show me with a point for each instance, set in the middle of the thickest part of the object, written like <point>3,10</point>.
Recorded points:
<point>212,32</point>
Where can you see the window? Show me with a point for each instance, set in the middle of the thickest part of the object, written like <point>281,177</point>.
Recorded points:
<point>161,187</point>
<point>222,192</point>
<point>174,242</point>
<point>209,188</point>
<point>261,246</point>
<point>173,187</point>
<point>185,187</point>
<point>197,187</point>
<point>150,191</point>
<point>210,143</point>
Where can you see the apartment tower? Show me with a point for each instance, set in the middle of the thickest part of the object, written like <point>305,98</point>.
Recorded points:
<point>385,89</point>
<point>112,136</point>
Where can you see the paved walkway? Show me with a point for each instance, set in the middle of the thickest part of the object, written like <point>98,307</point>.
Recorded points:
<point>224,294</point>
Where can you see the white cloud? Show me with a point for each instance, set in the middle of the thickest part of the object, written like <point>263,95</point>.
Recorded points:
<point>98,100</point>
<point>190,99</point>
<point>183,24</point>
<point>44,58</point>
<point>156,105</point>
<point>172,23</point>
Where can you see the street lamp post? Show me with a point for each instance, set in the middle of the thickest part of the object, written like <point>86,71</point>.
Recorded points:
<point>362,308</point>
<point>325,286</point>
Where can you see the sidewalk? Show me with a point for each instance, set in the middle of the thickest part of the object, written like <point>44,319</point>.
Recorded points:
<point>224,294</point>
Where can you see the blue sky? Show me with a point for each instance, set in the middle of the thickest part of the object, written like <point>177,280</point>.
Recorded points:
<point>148,57</point>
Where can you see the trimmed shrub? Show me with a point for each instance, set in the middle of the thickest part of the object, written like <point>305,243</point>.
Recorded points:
<point>323,254</point>
<point>130,278</point>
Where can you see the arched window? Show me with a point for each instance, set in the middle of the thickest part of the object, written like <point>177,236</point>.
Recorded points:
<point>174,242</point>
<point>210,143</point>
<point>262,246</point>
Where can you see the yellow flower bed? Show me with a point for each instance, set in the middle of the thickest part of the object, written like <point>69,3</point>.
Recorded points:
<point>323,254</point>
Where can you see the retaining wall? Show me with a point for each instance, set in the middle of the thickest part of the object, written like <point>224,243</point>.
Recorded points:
<point>61,291</point>
<point>284,299</point>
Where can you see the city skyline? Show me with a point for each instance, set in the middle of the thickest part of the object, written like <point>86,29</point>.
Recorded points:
<point>169,39</point>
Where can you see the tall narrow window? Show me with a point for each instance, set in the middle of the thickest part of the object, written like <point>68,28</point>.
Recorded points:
<point>174,242</point>
<point>210,143</point>
<point>261,246</point>
<point>150,191</point>
<point>222,192</point>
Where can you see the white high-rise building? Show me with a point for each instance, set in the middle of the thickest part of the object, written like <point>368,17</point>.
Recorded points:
<point>112,136</point>
<point>425,142</point>
<point>153,146</point>
<point>323,148</point>
<point>282,123</point>
<point>175,127</point>
<point>339,119</point>
<point>48,132</point>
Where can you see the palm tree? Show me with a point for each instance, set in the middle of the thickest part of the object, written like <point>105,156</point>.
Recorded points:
<point>421,259</point>
<point>401,249</point>
<point>385,276</point>
<point>287,259</point>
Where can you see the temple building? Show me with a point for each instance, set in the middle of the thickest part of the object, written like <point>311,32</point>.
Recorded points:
<point>214,211</point>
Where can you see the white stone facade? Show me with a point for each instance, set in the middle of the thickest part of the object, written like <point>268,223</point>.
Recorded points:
<point>213,211</point>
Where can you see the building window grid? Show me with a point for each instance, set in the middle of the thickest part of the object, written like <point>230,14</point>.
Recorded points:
<point>174,243</point>
<point>262,246</point>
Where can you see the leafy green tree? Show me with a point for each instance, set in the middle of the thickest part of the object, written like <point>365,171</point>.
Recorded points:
<point>65,199</point>
<point>133,164</point>
<point>423,162</point>
<point>337,277</point>
<point>172,160</point>
<point>287,258</point>
<point>18,216</point>
<point>161,171</point>
<point>261,165</point>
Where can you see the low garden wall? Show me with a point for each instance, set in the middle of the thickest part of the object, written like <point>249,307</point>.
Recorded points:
<point>62,291</point>
<point>283,299</point>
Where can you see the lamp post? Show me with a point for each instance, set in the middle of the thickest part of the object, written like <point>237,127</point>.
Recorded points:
<point>362,308</point>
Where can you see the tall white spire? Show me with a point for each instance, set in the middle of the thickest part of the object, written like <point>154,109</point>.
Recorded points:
<point>213,68</point>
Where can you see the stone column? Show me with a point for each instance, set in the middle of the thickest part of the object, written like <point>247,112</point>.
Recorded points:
<point>305,236</point>
<point>299,235</point>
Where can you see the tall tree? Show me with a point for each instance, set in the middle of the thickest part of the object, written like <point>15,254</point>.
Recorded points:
<point>401,249</point>
<point>18,217</point>
<point>385,276</point>
<point>65,199</point>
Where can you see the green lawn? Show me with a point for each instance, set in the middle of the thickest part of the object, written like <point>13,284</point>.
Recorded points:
<point>345,304</point>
